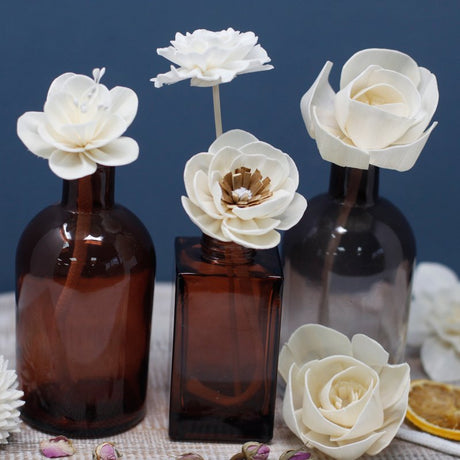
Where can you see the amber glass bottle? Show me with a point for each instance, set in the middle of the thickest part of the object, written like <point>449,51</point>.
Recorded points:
<point>85,273</point>
<point>348,263</point>
<point>226,339</point>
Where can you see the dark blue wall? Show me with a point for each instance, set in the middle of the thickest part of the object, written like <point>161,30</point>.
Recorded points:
<point>42,39</point>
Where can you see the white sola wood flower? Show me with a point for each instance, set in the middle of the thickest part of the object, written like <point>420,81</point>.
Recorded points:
<point>243,190</point>
<point>380,114</point>
<point>342,396</point>
<point>210,58</point>
<point>9,401</point>
<point>81,125</point>
<point>434,321</point>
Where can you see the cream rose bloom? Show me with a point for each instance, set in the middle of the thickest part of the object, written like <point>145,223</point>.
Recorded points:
<point>243,190</point>
<point>434,321</point>
<point>210,58</point>
<point>81,125</point>
<point>342,397</point>
<point>380,114</point>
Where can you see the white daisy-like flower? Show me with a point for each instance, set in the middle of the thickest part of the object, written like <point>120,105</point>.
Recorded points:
<point>243,190</point>
<point>210,58</point>
<point>9,402</point>
<point>81,125</point>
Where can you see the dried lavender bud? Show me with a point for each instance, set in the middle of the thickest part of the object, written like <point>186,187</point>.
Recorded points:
<point>106,451</point>
<point>255,451</point>
<point>298,454</point>
<point>57,447</point>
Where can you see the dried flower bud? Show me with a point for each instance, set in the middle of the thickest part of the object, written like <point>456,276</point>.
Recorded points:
<point>189,456</point>
<point>57,447</point>
<point>106,451</point>
<point>298,454</point>
<point>255,451</point>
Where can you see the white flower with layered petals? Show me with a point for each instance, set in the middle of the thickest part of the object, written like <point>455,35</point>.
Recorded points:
<point>380,114</point>
<point>10,402</point>
<point>210,58</point>
<point>243,190</point>
<point>81,125</point>
<point>434,321</point>
<point>342,397</point>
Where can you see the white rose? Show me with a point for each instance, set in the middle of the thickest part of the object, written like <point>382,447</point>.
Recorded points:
<point>81,125</point>
<point>243,190</point>
<point>341,397</point>
<point>434,321</point>
<point>209,58</point>
<point>380,114</point>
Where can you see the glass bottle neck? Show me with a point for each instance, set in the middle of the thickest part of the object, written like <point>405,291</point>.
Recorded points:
<point>358,186</point>
<point>88,193</point>
<point>225,253</point>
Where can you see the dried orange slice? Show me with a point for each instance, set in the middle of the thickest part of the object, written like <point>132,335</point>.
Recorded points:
<point>434,407</point>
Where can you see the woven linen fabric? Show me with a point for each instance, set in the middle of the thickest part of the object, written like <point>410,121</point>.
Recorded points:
<point>149,439</point>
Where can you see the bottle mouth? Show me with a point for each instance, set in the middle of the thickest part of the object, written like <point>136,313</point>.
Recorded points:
<point>225,252</point>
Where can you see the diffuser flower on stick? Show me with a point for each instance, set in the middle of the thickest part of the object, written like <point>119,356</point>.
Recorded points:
<point>349,262</point>
<point>82,337</point>
<point>241,191</point>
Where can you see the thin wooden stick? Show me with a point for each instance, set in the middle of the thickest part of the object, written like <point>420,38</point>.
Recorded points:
<point>217,113</point>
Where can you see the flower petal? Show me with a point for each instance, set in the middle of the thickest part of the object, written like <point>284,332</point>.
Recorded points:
<point>369,351</point>
<point>265,241</point>
<point>400,157</point>
<point>271,207</point>
<point>199,162</point>
<point>204,199</point>
<point>208,225</point>
<point>293,213</point>
<point>121,151</point>
<point>430,277</point>
<point>250,227</point>
<point>333,148</point>
<point>428,89</point>
<point>28,131</point>
<point>440,360</point>
<point>124,103</point>
<point>71,165</point>
<point>386,58</point>
<point>310,342</point>
<point>292,401</point>
<point>235,138</point>
<point>349,451</point>
<point>394,380</point>
<point>320,95</point>
<point>58,83</point>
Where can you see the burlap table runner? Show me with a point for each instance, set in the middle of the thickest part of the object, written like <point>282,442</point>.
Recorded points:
<point>149,439</point>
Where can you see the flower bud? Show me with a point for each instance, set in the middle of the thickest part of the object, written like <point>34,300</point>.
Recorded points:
<point>255,451</point>
<point>106,451</point>
<point>298,454</point>
<point>57,447</point>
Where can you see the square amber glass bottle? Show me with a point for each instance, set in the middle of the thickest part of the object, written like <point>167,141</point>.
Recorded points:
<point>226,340</point>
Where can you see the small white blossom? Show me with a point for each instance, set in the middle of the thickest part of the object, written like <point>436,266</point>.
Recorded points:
<point>380,114</point>
<point>342,396</point>
<point>9,402</point>
<point>210,58</point>
<point>81,125</point>
<point>243,190</point>
<point>434,321</point>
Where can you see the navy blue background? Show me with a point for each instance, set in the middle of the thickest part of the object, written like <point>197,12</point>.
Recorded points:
<point>42,39</point>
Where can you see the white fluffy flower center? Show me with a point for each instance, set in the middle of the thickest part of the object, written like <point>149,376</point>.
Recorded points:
<point>243,188</point>
<point>345,392</point>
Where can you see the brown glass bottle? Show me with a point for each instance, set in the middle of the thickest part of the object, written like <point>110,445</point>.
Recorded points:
<point>85,273</point>
<point>348,263</point>
<point>226,339</point>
